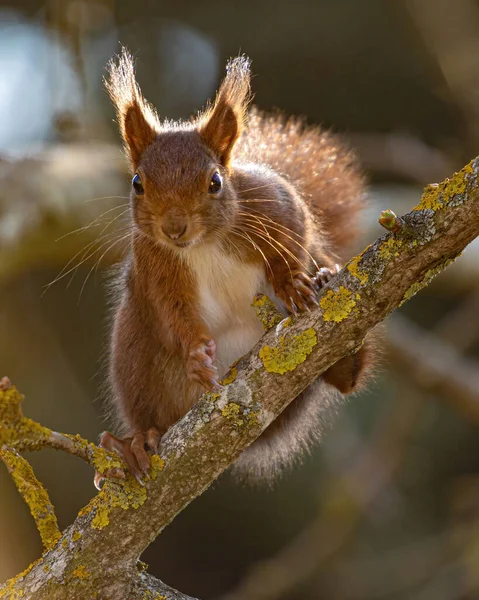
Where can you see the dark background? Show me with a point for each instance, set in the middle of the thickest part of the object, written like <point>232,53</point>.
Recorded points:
<point>387,506</point>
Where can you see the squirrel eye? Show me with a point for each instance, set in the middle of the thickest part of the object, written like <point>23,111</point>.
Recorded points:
<point>215,183</point>
<point>137,185</point>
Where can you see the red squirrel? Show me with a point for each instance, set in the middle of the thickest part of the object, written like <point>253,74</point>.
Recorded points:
<point>223,207</point>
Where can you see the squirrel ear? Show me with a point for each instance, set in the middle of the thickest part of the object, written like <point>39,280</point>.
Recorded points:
<point>137,119</point>
<point>223,123</point>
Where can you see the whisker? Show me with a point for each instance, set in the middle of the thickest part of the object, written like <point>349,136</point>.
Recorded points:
<point>245,236</point>
<point>276,223</point>
<point>65,271</point>
<point>84,258</point>
<point>93,222</point>
<point>257,200</point>
<point>291,238</point>
<point>97,262</point>
<point>259,187</point>
<point>108,198</point>
<point>283,247</point>
<point>256,231</point>
<point>99,237</point>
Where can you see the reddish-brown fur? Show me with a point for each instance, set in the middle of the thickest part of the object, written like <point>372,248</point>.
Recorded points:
<point>287,208</point>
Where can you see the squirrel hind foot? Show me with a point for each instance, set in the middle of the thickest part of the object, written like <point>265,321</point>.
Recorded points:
<point>133,450</point>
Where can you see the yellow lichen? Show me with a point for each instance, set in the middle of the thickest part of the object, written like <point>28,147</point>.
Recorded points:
<point>231,412</point>
<point>16,430</point>
<point>80,572</point>
<point>15,595</point>
<point>141,566</point>
<point>149,595</point>
<point>239,415</point>
<point>338,305</point>
<point>437,196</point>
<point>76,536</point>
<point>252,417</point>
<point>8,590</point>
<point>390,248</point>
<point>353,268</point>
<point>231,377</point>
<point>34,494</point>
<point>115,494</point>
<point>289,352</point>
<point>123,494</point>
<point>157,465</point>
<point>266,312</point>
<point>103,460</point>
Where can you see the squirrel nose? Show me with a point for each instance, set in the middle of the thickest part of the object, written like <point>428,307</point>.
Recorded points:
<point>173,230</point>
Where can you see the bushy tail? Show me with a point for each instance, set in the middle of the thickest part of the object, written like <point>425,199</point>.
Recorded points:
<point>285,442</point>
<point>324,172</point>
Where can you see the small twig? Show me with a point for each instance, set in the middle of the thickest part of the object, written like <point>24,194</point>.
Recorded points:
<point>34,494</point>
<point>21,433</point>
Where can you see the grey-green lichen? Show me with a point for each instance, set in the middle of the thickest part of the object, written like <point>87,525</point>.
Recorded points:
<point>355,270</point>
<point>239,415</point>
<point>289,351</point>
<point>266,312</point>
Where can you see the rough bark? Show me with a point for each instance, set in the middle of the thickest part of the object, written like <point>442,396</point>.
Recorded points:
<point>97,555</point>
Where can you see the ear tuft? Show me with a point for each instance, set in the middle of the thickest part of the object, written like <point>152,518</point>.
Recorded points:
<point>136,117</point>
<point>222,124</point>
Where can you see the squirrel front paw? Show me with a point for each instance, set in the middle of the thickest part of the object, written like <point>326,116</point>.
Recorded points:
<point>298,292</point>
<point>199,364</point>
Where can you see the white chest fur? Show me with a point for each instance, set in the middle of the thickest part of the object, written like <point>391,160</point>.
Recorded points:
<point>227,288</point>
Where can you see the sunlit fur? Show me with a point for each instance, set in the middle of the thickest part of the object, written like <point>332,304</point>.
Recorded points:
<point>288,207</point>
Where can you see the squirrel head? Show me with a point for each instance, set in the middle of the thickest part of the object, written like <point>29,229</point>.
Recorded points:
<point>182,192</point>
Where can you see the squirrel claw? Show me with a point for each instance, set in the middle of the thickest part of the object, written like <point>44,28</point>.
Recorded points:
<point>115,473</point>
<point>133,452</point>
<point>300,294</point>
<point>324,276</point>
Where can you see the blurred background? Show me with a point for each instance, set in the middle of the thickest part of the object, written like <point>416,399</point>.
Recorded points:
<point>388,506</point>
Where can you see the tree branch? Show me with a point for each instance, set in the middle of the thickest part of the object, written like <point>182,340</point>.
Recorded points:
<point>99,552</point>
